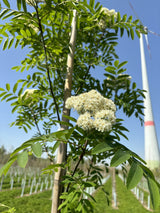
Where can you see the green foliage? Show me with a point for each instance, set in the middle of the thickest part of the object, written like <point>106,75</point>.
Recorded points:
<point>9,210</point>
<point>37,149</point>
<point>154,192</point>
<point>126,201</point>
<point>120,157</point>
<point>134,176</point>
<point>35,203</point>
<point>22,159</point>
<point>102,147</point>
<point>44,28</point>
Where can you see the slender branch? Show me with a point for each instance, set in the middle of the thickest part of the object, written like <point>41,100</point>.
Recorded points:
<point>80,159</point>
<point>89,169</point>
<point>46,62</point>
<point>37,126</point>
<point>84,78</point>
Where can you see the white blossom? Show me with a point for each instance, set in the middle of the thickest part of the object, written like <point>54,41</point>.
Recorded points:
<point>96,112</point>
<point>107,16</point>
<point>108,12</point>
<point>29,97</point>
<point>108,115</point>
<point>102,125</point>
<point>85,121</point>
<point>33,2</point>
<point>28,93</point>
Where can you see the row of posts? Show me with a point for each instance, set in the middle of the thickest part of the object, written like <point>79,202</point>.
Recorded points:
<point>31,183</point>
<point>140,196</point>
<point>139,193</point>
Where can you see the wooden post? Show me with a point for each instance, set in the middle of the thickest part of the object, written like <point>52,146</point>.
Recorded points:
<point>114,197</point>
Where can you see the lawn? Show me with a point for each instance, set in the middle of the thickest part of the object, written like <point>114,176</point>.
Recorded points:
<point>41,202</point>
<point>127,203</point>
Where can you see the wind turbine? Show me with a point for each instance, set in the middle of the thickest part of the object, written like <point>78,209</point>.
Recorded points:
<point>152,154</point>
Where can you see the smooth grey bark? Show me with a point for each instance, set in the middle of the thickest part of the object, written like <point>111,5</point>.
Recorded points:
<point>62,150</point>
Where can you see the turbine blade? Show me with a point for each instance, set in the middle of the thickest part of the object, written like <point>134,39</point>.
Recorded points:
<point>135,12</point>
<point>154,33</point>
<point>148,46</point>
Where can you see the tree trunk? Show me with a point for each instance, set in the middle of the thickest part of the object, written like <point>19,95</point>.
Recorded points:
<point>62,151</point>
<point>114,197</point>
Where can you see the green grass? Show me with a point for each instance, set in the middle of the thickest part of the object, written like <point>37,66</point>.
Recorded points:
<point>40,202</point>
<point>127,203</point>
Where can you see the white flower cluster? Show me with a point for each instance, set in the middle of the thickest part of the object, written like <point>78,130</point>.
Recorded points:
<point>29,97</point>
<point>107,16</point>
<point>96,112</point>
<point>33,2</point>
<point>28,93</point>
<point>109,12</point>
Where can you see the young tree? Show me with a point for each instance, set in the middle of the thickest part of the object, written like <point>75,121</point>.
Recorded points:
<point>58,33</point>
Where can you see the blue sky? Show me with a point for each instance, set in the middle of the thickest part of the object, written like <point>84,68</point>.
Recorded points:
<point>128,50</point>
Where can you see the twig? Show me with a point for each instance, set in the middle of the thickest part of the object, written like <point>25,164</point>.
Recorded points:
<point>36,123</point>
<point>46,62</point>
<point>85,76</point>
<point>80,158</point>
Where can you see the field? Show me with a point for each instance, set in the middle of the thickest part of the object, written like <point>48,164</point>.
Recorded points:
<point>26,190</point>
<point>32,194</point>
<point>126,201</point>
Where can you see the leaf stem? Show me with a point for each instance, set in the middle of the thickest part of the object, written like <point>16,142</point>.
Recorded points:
<point>80,159</point>
<point>46,62</point>
<point>38,129</point>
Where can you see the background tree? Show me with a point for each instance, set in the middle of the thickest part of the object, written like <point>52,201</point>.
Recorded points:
<point>46,28</point>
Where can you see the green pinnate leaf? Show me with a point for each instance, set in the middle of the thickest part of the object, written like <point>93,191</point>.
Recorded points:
<point>6,3</point>
<point>8,87</point>
<point>19,4</point>
<point>9,14</point>
<point>91,3</point>
<point>138,33</point>
<point>4,169</point>
<point>120,157</point>
<point>121,31</point>
<point>20,92</point>
<point>154,192</point>
<point>134,85</point>
<point>15,87</point>
<point>102,147</point>
<point>134,176</point>
<point>129,19</point>
<point>12,98</point>
<point>5,43</point>
<point>124,18</point>
<point>16,43</point>
<point>23,33</point>
<point>22,159</point>
<point>132,33</point>
<point>14,109</point>
<point>3,12</point>
<point>116,63</point>
<point>10,43</point>
<point>118,17</point>
<point>24,6</point>
<point>122,64</point>
<point>3,93</point>
<point>37,149</point>
<point>6,96</point>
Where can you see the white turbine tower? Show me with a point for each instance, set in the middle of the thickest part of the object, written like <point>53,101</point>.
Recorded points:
<point>152,155</point>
